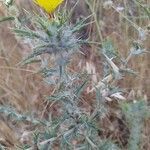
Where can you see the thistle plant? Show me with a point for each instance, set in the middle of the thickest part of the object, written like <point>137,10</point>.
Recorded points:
<point>72,126</point>
<point>65,122</point>
<point>50,37</point>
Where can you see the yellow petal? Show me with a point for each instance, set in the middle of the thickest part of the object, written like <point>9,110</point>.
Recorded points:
<point>48,5</point>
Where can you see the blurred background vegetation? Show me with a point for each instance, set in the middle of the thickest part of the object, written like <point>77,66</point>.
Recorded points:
<point>120,29</point>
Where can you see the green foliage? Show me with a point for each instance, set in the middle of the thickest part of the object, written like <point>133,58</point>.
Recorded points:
<point>70,125</point>
<point>2,147</point>
<point>108,145</point>
<point>8,3</point>
<point>15,116</point>
<point>135,114</point>
<point>52,37</point>
<point>109,49</point>
<point>9,18</point>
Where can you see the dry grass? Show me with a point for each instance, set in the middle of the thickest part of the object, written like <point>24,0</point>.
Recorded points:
<point>24,89</point>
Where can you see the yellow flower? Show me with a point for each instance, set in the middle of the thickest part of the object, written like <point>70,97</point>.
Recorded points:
<point>49,5</point>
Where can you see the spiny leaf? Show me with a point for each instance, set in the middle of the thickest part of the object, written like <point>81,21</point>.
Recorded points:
<point>9,18</point>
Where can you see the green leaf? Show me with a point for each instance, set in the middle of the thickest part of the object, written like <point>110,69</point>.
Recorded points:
<point>9,18</point>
